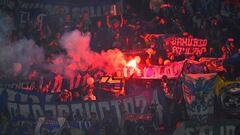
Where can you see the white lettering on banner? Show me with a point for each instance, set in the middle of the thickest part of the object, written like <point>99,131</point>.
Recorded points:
<point>140,101</point>
<point>91,108</point>
<point>205,130</point>
<point>61,109</point>
<point>230,130</point>
<point>159,109</point>
<point>19,85</point>
<point>115,106</point>
<point>24,110</point>
<point>34,99</point>
<point>94,11</point>
<point>128,104</point>
<point>24,97</point>
<point>61,121</point>
<point>209,130</point>
<point>77,107</point>
<point>189,131</point>
<point>227,130</point>
<point>48,98</point>
<point>12,108</point>
<point>37,110</point>
<point>103,105</point>
<point>11,95</point>
<point>115,103</point>
<point>39,20</point>
<point>51,108</point>
<point>38,125</point>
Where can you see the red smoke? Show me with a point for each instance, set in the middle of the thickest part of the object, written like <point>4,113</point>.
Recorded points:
<point>80,57</point>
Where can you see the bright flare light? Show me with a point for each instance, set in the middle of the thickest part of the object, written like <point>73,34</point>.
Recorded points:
<point>132,63</point>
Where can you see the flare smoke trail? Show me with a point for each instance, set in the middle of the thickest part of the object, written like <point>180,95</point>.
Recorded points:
<point>80,57</point>
<point>16,58</point>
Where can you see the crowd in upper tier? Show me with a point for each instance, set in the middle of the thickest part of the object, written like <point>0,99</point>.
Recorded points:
<point>214,20</point>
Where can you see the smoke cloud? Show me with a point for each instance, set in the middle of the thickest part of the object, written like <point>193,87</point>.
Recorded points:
<point>17,58</point>
<point>80,57</point>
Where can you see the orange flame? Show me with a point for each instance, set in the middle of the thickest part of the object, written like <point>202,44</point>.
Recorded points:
<point>131,67</point>
<point>132,63</point>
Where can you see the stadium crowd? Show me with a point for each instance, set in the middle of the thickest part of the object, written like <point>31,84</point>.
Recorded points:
<point>214,20</point>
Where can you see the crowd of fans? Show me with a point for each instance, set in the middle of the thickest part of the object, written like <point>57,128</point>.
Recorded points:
<point>215,20</point>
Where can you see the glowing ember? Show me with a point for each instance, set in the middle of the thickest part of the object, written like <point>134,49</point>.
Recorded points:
<point>131,67</point>
<point>138,59</point>
<point>132,63</point>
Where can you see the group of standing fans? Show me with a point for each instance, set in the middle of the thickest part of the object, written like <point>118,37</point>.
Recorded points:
<point>217,24</point>
<point>215,20</point>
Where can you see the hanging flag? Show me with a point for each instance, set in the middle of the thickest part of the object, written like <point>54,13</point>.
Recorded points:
<point>229,94</point>
<point>198,90</point>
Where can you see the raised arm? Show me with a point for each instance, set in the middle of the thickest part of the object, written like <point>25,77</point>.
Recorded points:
<point>108,21</point>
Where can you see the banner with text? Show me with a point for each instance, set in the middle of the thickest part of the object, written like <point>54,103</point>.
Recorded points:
<point>35,105</point>
<point>186,45</point>
<point>171,70</point>
<point>223,127</point>
<point>45,10</point>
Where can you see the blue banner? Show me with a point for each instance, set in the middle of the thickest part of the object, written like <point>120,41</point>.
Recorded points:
<point>24,105</point>
<point>45,10</point>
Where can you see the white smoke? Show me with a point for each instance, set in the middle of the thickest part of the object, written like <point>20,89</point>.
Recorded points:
<point>16,58</point>
<point>80,57</point>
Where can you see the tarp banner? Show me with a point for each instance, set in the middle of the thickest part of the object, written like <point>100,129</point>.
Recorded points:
<point>223,127</point>
<point>31,105</point>
<point>171,70</point>
<point>198,90</point>
<point>29,11</point>
<point>186,45</point>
